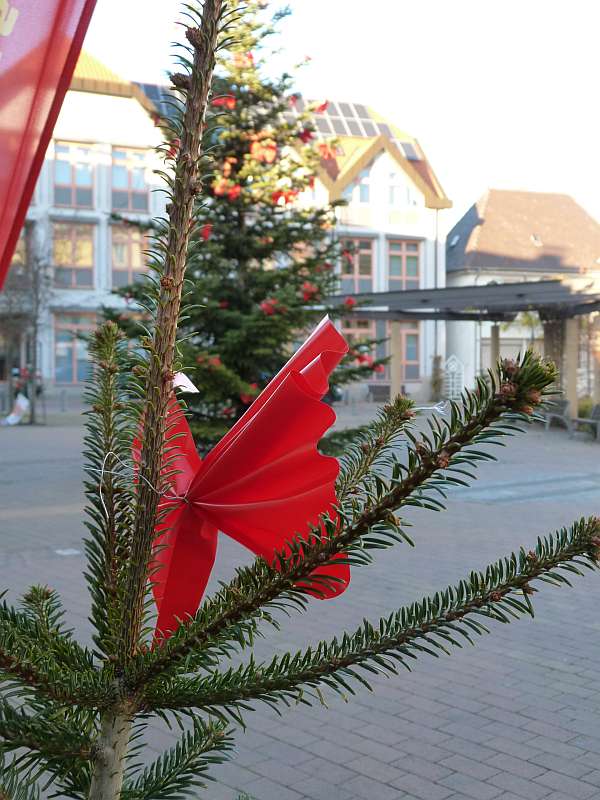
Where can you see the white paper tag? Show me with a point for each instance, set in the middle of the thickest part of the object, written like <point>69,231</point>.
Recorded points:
<point>181,381</point>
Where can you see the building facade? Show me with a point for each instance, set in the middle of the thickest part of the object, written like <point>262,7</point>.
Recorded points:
<point>392,220</point>
<point>515,236</point>
<point>101,162</point>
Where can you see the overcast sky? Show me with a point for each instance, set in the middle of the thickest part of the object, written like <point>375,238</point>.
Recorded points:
<point>499,93</point>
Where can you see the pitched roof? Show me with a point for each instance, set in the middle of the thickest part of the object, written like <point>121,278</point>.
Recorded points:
<point>91,75</point>
<point>353,124</point>
<point>531,231</point>
<point>361,134</point>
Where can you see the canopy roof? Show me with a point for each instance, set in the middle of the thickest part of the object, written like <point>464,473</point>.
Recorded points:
<point>497,302</point>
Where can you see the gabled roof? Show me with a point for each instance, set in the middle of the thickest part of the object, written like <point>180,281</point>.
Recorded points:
<point>91,75</point>
<point>352,124</point>
<point>524,231</point>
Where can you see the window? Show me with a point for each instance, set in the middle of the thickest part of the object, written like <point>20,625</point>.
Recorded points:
<point>411,354</point>
<point>400,192</point>
<point>71,363</point>
<point>129,187</point>
<point>358,329</point>
<point>73,256</point>
<point>360,188</point>
<point>128,263</point>
<point>357,265</point>
<point>73,176</point>
<point>403,264</point>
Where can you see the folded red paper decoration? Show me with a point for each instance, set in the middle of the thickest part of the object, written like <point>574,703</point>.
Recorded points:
<point>40,41</point>
<point>263,484</point>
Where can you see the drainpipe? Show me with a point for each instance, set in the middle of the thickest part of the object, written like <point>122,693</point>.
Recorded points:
<point>435,280</point>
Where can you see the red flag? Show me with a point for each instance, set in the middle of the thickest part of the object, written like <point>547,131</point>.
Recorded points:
<point>40,41</point>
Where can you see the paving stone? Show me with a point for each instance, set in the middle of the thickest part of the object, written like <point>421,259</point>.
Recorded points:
<point>575,768</point>
<point>330,772</point>
<point>563,783</point>
<point>516,766</point>
<point>471,786</point>
<point>265,789</point>
<point>469,767</point>
<point>519,786</point>
<point>422,788</point>
<point>371,767</point>
<point>371,790</point>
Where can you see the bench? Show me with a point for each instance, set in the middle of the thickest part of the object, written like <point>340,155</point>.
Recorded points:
<point>558,410</point>
<point>593,421</point>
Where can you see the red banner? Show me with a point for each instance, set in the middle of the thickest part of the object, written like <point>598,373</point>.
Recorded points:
<point>40,41</point>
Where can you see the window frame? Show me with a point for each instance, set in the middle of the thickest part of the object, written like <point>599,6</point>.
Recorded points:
<point>73,186</point>
<point>130,270</point>
<point>355,275</point>
<point>73,327</point>
<point>400,248</point>
<point>74,227</point>
<point>130,191</point>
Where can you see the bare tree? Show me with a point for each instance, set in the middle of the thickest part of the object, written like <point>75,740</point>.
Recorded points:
<point>22,302</point>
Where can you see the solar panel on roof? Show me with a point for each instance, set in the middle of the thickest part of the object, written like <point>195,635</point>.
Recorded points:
<point>338,125</point>
<point>362,111</point>
<point>323,125</point>
<point>385,129</point>
<point>410,151</point>
<point>346,109</point>
<point>332,109</point>
<point>355,129</point>
<point>370,129</point>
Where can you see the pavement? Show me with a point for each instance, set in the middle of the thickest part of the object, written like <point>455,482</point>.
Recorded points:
<point>515,717</point>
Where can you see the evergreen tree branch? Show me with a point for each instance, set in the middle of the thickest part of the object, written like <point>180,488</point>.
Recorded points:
<point>367,454</point>
<point>35,657</point>
<point>110,487</point>
<point>13,785</point>
<point>195,85</point>
<point>53,738</point>
<point>184,766</point>
<point>502,592</point>
<point>486,414</point>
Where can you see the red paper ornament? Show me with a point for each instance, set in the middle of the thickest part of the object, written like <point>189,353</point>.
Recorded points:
<point>206,230</point>
<point>269,306</point>
<point>234,192</point>
<point>263,484</point>
<point>227,101</point>
<point>306,135</point>
<point>323,107</point>
<point>309,290</point>
<point>349,302</point>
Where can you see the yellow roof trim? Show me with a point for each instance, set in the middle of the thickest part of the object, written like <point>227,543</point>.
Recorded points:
<point>91,75</point>
<point>377,145</point>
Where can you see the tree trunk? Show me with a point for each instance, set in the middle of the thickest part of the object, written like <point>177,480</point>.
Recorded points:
<point>109,761</point>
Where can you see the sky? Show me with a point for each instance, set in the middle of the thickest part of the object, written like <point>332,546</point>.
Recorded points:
<point>501,93</point>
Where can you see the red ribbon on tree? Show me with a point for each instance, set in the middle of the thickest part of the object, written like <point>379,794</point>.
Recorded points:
<point>40,41</point>
<point>263,484</point>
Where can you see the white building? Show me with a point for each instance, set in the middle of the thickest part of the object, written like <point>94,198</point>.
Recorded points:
<point>510,237</point>
<point>393,221</point>
<point>101,159</point>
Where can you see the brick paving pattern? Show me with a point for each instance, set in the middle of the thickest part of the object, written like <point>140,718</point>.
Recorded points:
<point>516,717</point>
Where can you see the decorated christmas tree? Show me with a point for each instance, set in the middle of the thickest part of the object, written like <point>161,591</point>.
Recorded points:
<point>265,251</point>
<point>75,715</point>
